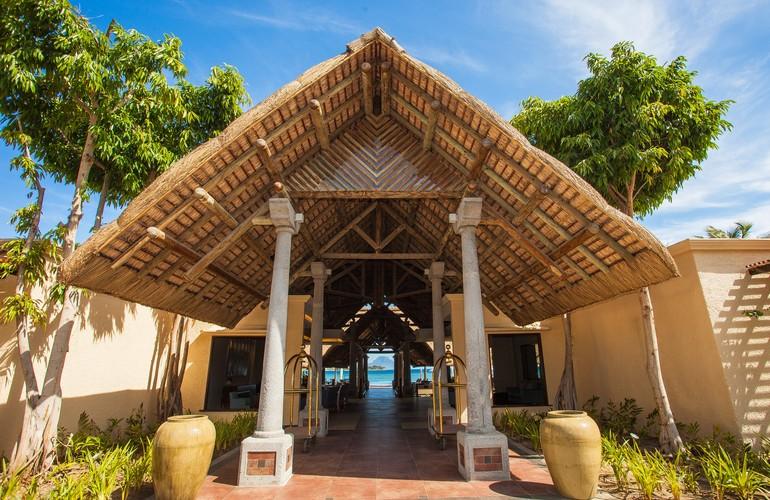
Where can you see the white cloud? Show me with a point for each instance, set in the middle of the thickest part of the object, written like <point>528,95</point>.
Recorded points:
<point>660,27</point>
<point>441,56</point>
<point>670,230</point>
<point>304,19</point>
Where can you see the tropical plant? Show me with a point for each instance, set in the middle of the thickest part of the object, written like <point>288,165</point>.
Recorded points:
<point>521,425</point>
<point>636,130</point>
<point>73,97</point>
<point>615,454</point>
<point>741,230</point>
<point>646,469</point>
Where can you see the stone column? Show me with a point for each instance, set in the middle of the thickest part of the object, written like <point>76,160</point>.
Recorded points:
<point>436,274</point>
<point>482,451</point>
<point>365,371</point>
<point>407,367</point>
<point>353,371</point>
<point>266,456</point>
<point>319,272</point>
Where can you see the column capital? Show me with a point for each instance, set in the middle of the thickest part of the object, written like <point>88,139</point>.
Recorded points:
<point>468,214</point>
<point>435,271</point>
<point>319,271</point>
<point>283,215</point>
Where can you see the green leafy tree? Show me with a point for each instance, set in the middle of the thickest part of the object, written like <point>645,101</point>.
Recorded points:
<point>741,230</point>
<point>636,130</point>
<point>72,97</point>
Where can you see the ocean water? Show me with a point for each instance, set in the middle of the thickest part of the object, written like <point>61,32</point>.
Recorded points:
<point>381,378</point>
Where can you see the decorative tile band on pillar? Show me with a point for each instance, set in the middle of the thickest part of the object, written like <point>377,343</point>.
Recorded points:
<point>482,450</point>
<point>266,456</point>
<point>319,272</point>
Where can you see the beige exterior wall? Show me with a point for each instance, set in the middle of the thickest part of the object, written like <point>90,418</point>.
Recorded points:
<point>715,360</point>
<point>116,360</point>
<point>113,366</point>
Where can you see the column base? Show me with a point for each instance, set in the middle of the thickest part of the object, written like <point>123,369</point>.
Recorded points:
<point>323,424</point>
<point>483,456</point>
<point>266,461</point>
<point>449,417</point>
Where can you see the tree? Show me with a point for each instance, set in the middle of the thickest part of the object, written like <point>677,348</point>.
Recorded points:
<point>566,394</point>
<point>636,130</point>
<point>740,231</point>
<point>80,96</point>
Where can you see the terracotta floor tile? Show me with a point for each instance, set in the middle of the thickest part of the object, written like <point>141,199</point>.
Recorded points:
<point>388,489</point>
<point>382,461</point>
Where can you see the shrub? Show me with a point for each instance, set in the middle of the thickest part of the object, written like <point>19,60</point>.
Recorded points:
<point>646,468</point>
<point>230,433</point>
<point>615,455</point>
<point>522,425</point>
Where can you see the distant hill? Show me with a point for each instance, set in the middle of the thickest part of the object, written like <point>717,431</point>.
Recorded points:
<point>382,362</point>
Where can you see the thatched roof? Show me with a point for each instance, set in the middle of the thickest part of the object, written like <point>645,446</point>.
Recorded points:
<point>390,150</point>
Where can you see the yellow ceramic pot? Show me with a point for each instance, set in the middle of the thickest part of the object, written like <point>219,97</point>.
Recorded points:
<point>572,446</point>
<point>182,450</point>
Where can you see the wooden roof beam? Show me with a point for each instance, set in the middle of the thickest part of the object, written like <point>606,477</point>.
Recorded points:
<point>385,87</point>
<point>321,128</point>
<point>366,85</point>
<point>533,202</point>
<point>612,242</point>
<point>522,241</point>
<point>581,237</point>
<point>188,253</point>
<point>430,126</point>
<point>208,259</point>
<point>378,256</point>
<point>214,206</point>
<point>479,158</point>
<point>266,157</point>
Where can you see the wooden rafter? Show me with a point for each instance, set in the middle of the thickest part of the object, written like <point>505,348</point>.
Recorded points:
<point>366,85</point>
<point>385,87</point>
<point>188,253</point>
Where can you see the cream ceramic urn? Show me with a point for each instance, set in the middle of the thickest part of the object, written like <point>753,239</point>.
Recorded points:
<point>572,447</point>
<point>182,450</point>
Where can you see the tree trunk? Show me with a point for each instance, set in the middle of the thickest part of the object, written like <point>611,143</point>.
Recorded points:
<point>24,328</point>
<point>102,202</point>
<point>566,397</point>
<point>668,436</point>
<point>170,390</point>
<point>670,441</point>
<point>37,444</point>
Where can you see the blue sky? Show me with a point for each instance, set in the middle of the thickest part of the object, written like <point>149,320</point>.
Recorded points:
<point>500,51</point>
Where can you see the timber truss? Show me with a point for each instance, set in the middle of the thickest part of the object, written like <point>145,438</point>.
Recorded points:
<point>375,149</point>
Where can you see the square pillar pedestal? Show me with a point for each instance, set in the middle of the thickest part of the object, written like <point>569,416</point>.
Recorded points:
<point>266,461</point>
<point>323,417</point>
<point>483,456</point>
<point>449,415</point>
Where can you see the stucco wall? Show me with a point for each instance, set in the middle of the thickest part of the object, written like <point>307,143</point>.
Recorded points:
<point>113,366</point>
<point>715,361</point>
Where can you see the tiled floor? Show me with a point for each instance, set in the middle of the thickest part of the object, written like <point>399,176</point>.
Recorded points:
<point>381,460</point>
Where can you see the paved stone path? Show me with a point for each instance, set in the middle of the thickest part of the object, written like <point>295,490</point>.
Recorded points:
<point>382,460</point>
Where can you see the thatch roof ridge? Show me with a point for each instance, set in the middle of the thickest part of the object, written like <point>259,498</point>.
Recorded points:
<point>559,168</point>
<point>98,264</point>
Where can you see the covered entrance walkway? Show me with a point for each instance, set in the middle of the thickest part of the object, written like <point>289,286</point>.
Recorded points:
<point>389,455</point>
<point>372,180</point>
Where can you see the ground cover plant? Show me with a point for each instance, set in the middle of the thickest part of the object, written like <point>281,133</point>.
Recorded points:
<point>717,466</point>
<point>113,461</point>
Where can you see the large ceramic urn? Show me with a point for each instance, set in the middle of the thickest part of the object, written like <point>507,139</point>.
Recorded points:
<point>182,450</point>
<point>572,447</point>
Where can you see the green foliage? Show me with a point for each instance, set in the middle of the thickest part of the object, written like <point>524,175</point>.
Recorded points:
<point>618,418</point>
<point>731,473</point>
<point>741,230</point>
<point>63,78</point>
<point>231,433</point>
<point>521,425</point>
<point>646,469</point>
<point>615,454</point>
<point>634,129</point>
